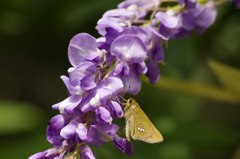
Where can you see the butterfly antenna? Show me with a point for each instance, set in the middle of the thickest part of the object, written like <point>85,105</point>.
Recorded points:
<point>123,98</point>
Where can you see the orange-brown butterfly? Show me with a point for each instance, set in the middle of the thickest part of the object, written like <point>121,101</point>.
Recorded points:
<point>138,126</point>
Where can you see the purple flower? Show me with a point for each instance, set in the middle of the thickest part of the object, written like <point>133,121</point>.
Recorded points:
<point>114,84</point>
<point>156,52</point>
<point>103,115</point>
<point>187,20</point>
<point>153,73</point>
<point>120,14</point>
<point>105,89</point>
<point>55,125</point>
<point>140,4</point>
<point>207,17</point>
<point>115,110</point>
<point>56,141</point>
<point>83,48</point>
<point>69,130</point>
<point>186,24</point>
<point>123,145</point>
<point>95,100</point>
<point>168,21</point>
<point>140,67</point>
<point>86,152</point>
<point>48,154</point>
<point>81,131</point>
<point>129,48</point>
<point>199,18</point>
<point>132,83</point>
<point>115,20</point>
<point>39,155</point>
<point>68,105</point>
<point>84,75</point>
<point>101,133</point>
<point>105,24</point>
<point>138,32</point>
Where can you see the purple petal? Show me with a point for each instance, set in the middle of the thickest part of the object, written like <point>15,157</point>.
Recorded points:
<point>88,82</point>
<point>97,57</point>
<point>153,72</point>
<point>208,16</point>
<point>119,68</point>
<point>85,104</point>
<point>197,10</point>
<point>72,90</point>
<point>115,109</point>
<point>119,13</point>
<point>154,31</point>
<point>84,69</point>
<point>56,141</point>
<point>103,115</point>
<point>80,46</point>
<point>52,152</point>
<point>165,31</point>
<point>122,69</point>
<point>140,4</point>
<point>39,155</point>
<point>123,145</point>
<point>86,152</point>
<point>68,105</point>
<point>115,19</point>
<point>137,31</point>
<point>167,20</point>
<point>111,35</point>
<point>129,48</point>
<point>81,131</point>
<point>132,83</point>
<point>100,134</point>
<point>100,98</point>
<point>156,52</point>
<point>142,68</point>
<point>104,43</point>
<point>100,41</point>
<point>69,130</point>
<point>55,125</point>
<point>104,23</point>
<point>187,21</point>
<point>112,83</point>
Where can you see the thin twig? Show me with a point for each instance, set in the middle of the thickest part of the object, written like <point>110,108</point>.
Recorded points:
<point>154,9</point>
<point>140,21</point>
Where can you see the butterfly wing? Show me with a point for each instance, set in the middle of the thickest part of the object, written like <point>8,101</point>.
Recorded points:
<point>143,128</point>
<point>156,137</point>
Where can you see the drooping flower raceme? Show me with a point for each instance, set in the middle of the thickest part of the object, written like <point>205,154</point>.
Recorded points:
<point>105,69</point>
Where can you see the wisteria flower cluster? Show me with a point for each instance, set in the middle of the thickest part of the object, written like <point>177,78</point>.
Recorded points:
<point>105,69</point>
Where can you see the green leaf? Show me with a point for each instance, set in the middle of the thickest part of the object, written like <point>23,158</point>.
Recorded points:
<point>17,117</point>
<point>228,76</point>
<point>199,90</point>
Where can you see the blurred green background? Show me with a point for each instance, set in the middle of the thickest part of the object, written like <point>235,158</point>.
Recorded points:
<point>196,104</point>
